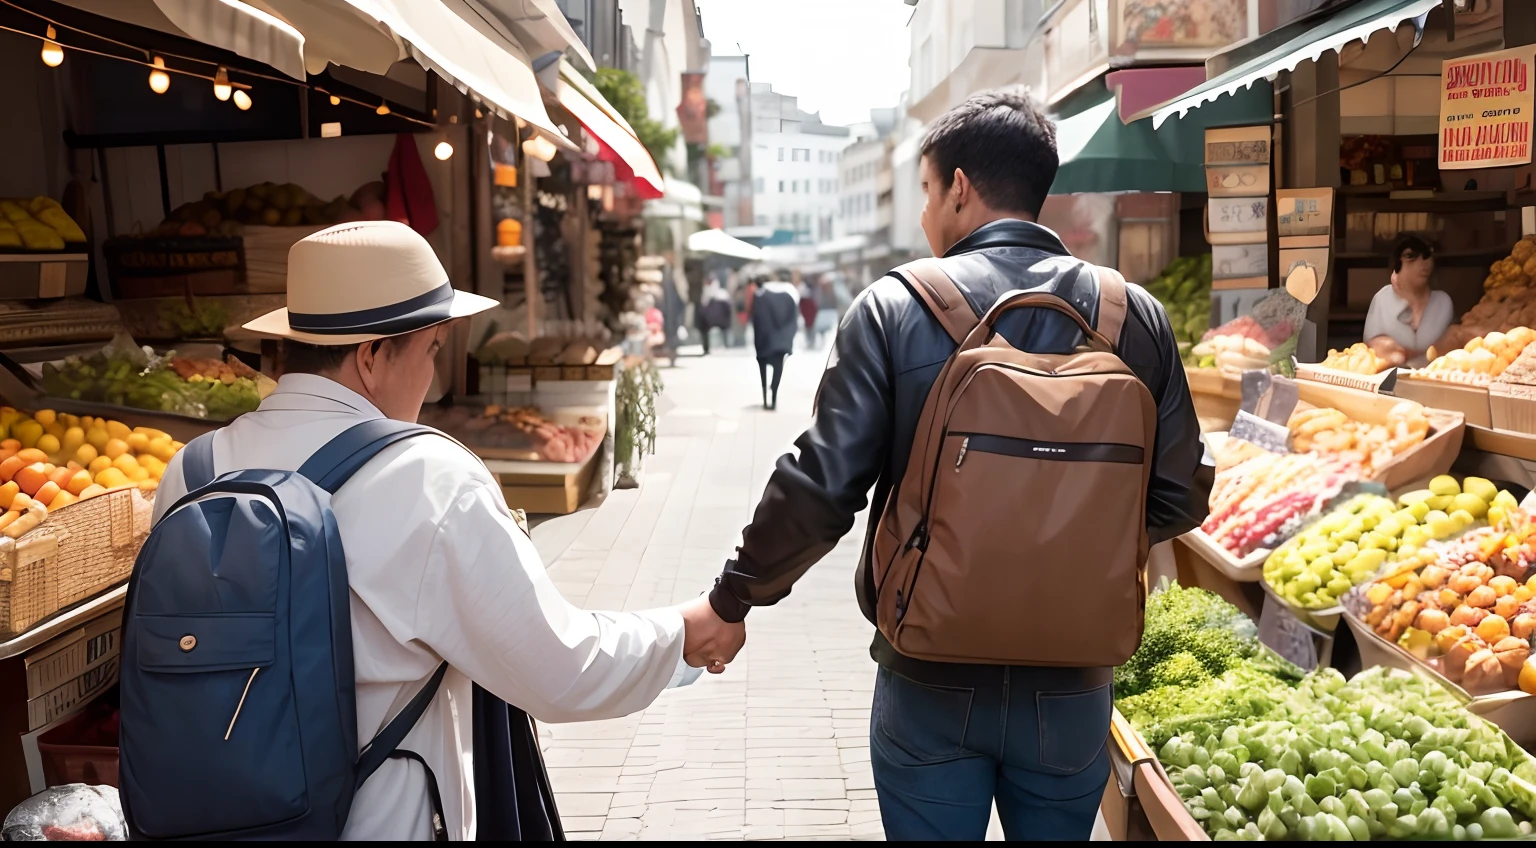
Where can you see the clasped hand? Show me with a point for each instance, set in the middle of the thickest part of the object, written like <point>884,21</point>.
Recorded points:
<point>708,641</point>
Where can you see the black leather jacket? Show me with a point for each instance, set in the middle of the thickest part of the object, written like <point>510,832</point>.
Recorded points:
<point>889,351</point>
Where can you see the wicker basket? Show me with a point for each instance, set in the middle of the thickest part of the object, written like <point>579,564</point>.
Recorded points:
<point>77,552</point>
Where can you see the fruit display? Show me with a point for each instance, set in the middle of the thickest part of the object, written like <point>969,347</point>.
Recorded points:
<point>1257,751</point>
<point>56,458</point>
<point>1501,310</point>
<point>123,375</point>
<point>1314,569</point>
<point>1258,502</point>
<point>38,223</point>
<point>223,213</point>
<point>1328,431</point>
<point>1481,360</point>
<point>1516,269</point>
<point>1184,290</point>
<point>1358,358</point>
<point>520,432</point>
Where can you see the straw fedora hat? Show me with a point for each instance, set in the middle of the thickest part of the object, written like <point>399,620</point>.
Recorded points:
<point>354,283</point>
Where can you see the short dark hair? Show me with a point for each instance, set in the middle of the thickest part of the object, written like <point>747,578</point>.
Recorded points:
<point>1418,245</point>
<point>305,358</point>
<point>1003,143</point>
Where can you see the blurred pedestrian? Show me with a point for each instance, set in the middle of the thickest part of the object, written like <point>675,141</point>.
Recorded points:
<point>713,313</point>
<point>827,309</point>
<point>957,727</point>
<point>774,313</point>
<point>808,314</point>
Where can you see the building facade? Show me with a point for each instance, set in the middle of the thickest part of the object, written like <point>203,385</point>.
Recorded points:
<point>795,168</point>
<point>728,86</point>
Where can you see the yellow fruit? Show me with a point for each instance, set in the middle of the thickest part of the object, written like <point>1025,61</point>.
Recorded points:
<point>111,478</point>
<point>1528,676</point>
<point>137,442</point>
<point>161,449</point>
<point>69,420</point>
<point>149,485</point>
<point>119,430</point>
<point>55,430</point>
<point>92,491</point>
<point>1445,484</point>
<point>138,475</point>
<point>97,437</point>
<point>115,448</point>
<point>98,465</point>
<point>74,437</point>
<point>125,463</point>
<point>8,416</point>
<point>79,482</point>
<point>27,432</point>
<point>155,467</point>
<point>153,433</point>
<point>49,445</point>
<point>86,454</point>
<point>45,417</point>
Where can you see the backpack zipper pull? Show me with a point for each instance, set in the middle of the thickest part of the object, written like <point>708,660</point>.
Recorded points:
<point>919,537</point>
<point>236,716</point>
<point>965,445</point>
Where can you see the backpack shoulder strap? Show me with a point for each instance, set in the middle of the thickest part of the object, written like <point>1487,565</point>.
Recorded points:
<point>335,463</point>
<point>197,462</point>
<point>1114,302</point>
<point>380,747</point>
<point>927,279</point>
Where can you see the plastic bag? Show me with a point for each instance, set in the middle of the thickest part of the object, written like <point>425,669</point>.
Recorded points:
<point>71,813</point>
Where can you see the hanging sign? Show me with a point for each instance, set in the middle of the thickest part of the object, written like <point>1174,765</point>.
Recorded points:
<point>1486,109</point>
<point>1243,220</point>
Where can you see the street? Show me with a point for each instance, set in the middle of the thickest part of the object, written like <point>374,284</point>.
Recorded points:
<point>778,745</point>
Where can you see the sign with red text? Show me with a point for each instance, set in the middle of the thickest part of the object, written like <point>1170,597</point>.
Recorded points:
<point>1486,109</point>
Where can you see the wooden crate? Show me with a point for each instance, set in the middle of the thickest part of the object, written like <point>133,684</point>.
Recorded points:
<point>79,551</point>
<point>70,669</point>
<point>51,275</point>
<point>544,488</point>
<point>1471,401</point>
<point>175,266</point>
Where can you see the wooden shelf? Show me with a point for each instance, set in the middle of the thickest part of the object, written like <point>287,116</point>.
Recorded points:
<point>1445,202</point>
<point>1449,258</point>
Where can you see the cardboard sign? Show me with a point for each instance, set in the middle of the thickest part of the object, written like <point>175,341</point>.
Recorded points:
<point>1486,105</point>
<point>1239,261</point>
<point>1238,145</point>
<point>1304,211</point>
<point>1237,180</point>
<point>1304,271</point>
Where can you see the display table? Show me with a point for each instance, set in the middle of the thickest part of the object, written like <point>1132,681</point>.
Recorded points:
<point>46,675</point>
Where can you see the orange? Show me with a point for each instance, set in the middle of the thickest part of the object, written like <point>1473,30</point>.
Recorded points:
<point>62,499</point>
<point>31,455</point>
<point>31,478</point>
<point>10,466</point>
<point>115,448</point>
<point>78,482</point>
<point>8,493</point>
<point>92,491</point>
<point>61,476</point>
<point>47,493</point>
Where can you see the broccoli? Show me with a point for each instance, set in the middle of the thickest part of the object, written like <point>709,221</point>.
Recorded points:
<point>1191,622</point>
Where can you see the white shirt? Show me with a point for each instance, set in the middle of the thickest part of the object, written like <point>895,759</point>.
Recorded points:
<point>1390,315</point>
<point>439,570</point>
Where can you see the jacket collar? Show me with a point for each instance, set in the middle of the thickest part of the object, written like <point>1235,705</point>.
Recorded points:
<point>1010,232</point>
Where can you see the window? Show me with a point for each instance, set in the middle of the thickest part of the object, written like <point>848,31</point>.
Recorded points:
<point>802,154</point>
<point>762,220</point>
<point>757,185</point>
<point>781,154</point>
<point>781,186</point>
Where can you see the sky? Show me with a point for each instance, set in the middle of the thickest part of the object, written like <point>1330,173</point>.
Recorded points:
<point>839,57</point>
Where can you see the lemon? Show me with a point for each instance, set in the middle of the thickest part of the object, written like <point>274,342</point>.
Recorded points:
<point>27,432</point>
<point>74,437</point>
<point>85,455</point>
<point>98,465</point>
<point>97,437</point>
<point>45,417</point>
<point>161,449</point>
<point>115,448</point>
<point>49,444</point>
<point>111,478</point>
<point>125,463</point>
<point>118,430</point>
<point>137,442</point>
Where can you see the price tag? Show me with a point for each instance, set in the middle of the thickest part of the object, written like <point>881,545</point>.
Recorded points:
<point>1287,636</point>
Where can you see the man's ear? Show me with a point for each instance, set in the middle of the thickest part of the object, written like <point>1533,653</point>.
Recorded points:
<point>959,190</point>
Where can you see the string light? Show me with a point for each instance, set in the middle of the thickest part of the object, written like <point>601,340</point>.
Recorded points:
<point>443,151</point>
<point>242,100</point>
<point>159,80</point>
<point>53,54</point>
<point>221,87</point>
<point>383,109</point>
<point>335,101</point>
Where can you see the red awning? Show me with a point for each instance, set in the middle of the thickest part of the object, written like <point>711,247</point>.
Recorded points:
<point>1137,89</point>
<point>616,144</point>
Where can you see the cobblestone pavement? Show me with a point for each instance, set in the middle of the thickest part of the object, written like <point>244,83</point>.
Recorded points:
<point>778,746</point>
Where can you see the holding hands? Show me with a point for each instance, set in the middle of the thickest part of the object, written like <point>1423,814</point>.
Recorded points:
<point>708,641</point>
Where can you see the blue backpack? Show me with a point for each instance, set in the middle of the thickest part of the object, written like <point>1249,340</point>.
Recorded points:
<point>239,718</point>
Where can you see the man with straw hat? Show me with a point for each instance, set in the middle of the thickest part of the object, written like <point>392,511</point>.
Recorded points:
<point>439,571</point>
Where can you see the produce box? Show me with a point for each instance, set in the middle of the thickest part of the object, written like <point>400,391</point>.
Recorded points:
<point>1246,569</point>
<point>1372,383</point>
<point>24,276</point>
<point>1217,397</point>
<point>78,551</point>
<point>72,668</point>
<point>1471,401</point>
<point>544,488</point>
<point>171,266</point>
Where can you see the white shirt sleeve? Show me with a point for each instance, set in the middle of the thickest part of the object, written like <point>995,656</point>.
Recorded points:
<point>487,606</point>
<point>1378,321</point>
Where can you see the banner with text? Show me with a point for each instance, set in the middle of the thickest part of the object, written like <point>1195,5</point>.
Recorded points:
<point>1485,110</point>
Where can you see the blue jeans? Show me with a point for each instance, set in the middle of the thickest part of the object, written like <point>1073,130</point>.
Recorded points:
<point>941,754</point>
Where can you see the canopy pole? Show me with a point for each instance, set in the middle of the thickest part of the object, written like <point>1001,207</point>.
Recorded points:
<point>530,263</point>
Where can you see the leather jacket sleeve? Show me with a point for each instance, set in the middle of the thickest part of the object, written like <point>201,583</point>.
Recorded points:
<point>812,498</point>
<point>1179,495</point>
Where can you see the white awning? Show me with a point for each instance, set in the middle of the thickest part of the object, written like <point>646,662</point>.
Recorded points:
<point>233,25</point>
<point>1357,22</point>
<point>469,54</point>
<point>334,32</point>
<point>716,241</point>
<point>595,113</point>
<point>841,245</point>
<point>541,27</point>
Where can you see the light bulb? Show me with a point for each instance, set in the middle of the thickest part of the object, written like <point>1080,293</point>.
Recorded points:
<point>335,101</point>
<point>242,100</point>
<point>540,148</point>
<point>383,109</point>
<point>53,54</point>
<point>221,87</point>
<point>159,80</point>
<point>443,151</point>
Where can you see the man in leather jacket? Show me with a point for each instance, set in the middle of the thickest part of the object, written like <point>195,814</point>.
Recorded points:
<point>946,739</point>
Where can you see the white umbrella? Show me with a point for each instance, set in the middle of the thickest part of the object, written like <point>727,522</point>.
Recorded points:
<point>716,241</point>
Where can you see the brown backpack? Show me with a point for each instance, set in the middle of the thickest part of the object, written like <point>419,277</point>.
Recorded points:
<point>1018,534</point>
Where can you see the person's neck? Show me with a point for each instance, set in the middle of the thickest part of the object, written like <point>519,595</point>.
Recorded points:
<point>1416,296</point>
<point>983,217</point>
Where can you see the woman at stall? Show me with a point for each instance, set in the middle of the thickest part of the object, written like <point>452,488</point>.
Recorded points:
<point>1407,316</point>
